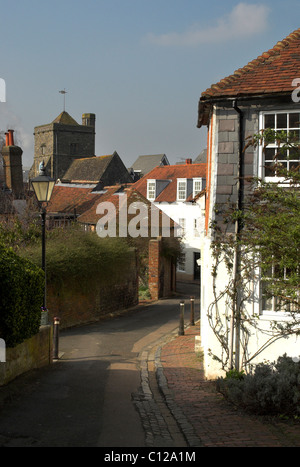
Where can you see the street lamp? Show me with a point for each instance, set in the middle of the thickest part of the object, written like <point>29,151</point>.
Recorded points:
<point>43,186</point>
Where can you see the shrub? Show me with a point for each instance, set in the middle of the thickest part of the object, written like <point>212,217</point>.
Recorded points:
<point>75,259</point>
<point>272,389</point>
<point>144,293</point>
<point>21,297</point>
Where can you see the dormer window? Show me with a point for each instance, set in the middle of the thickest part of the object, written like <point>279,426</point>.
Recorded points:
<point>151,190</point>
<point>197,186</point>
<point>181,189</point>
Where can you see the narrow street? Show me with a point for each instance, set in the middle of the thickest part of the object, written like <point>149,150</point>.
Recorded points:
<point>97,393</point>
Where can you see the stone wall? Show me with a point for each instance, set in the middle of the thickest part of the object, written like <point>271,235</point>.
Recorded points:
<point>33,353</point>
<point>58,145</point>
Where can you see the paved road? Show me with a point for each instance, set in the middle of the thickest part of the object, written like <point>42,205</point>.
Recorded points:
<point>96,394</point>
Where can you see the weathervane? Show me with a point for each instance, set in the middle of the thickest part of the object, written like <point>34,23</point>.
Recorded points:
<point>64,92</point>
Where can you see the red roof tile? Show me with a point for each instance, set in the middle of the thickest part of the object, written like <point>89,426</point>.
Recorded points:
<point>110,195</point>
<point>65,199</point>
<point>132,196</point>
<point>272,72</point>
<point>172,173</point>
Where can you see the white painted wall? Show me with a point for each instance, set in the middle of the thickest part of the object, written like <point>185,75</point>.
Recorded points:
<point>259,335</point>
<point>192,240</point>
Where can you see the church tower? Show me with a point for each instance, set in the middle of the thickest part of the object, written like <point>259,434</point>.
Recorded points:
<point>62,141</point>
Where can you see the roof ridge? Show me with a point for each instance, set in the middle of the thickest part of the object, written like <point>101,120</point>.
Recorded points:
<point>178,165</point>
<point>84,158</point>
<point>264,57</point>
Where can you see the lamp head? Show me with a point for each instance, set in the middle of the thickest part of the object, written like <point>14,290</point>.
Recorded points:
<point>42,185</point>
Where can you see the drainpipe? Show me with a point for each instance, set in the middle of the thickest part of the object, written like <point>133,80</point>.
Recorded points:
<point>235,318</point>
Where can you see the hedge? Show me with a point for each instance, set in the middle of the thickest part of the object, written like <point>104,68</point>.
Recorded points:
<point>21,297</point>
<point>75,259</point>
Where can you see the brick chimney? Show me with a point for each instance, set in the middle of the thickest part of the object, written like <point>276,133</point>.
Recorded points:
<point>12,165</point>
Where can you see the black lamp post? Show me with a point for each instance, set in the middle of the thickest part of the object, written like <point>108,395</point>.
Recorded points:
<point>43,186</point>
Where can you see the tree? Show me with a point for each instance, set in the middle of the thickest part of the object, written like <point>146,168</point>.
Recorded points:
<point>264,247</point>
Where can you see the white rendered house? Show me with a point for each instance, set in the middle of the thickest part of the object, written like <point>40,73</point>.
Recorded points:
<point>177,190</point>
<point>252,99</point>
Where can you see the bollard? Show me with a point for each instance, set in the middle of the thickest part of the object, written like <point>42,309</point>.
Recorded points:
<point>55,337</point>
<point>181,319</point>
<point>192,316</point>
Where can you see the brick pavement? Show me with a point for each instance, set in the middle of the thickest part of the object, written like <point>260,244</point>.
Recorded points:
<point>215,422</point>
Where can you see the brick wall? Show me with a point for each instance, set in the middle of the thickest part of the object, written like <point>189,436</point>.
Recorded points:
<point>13,173</point>
<point>161,271</point>
<point>75,306</point>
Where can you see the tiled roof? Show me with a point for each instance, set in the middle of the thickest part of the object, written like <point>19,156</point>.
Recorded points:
<point>65,119</point>
<point>113,194</point>
<point>171,173</point>
<point>88,169</point>
<point>147,163</point>
<point>67,198</point>
<point>108,170</point>
<point>270,73</point>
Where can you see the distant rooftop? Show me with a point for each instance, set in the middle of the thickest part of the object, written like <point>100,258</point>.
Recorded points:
<point>146,163</point>
<point>170,173</point>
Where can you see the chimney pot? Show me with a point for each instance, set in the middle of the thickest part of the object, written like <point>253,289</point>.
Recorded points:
<point>188,161</point>
<point>6,139</point>
<point>11,138</point>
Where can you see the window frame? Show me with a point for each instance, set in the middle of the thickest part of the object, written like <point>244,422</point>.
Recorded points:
<point>181,190</point>
<point>262,158</point>
<point>181,262</point>
<point>272,311</point>
<point>182,223</point>
<point>197,180</point>
<point>151,182</point>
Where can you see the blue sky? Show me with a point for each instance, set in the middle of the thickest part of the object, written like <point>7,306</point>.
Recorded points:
<point>139,65</point>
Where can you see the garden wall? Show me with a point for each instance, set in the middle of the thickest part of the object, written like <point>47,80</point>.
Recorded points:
<point>35,352</point>
<point>75,305</point>
<point>162,271</point>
